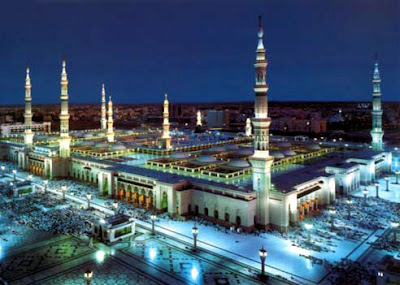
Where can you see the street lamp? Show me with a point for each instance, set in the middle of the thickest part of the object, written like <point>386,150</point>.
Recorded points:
<point>153,220</point>
<point>89,197</point>
<point>308,228</point>
<point>394,226</point>
<point>365,192</point>
<point>332,212</point>
<point>387,183</point>
<point>263,256</point>
<point>63,190</point>
<point>348,202</point>
<point>2,170</point>
<point>14,174</point>
<point>195,232</point>
<point>45,185</point>
<point>30,177</point>
<point>88,276</point>
<point>115,205</point>
<point>377,189</point>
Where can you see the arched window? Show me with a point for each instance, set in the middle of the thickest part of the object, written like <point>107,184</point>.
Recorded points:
<point>226,217</point>
<point>216,214</point>
<point>206,211</point>
<point>238,221</point>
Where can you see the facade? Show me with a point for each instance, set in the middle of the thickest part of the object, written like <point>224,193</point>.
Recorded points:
<point>18,128</point>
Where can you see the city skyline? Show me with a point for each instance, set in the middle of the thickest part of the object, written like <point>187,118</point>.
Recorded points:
<point>312,57</point>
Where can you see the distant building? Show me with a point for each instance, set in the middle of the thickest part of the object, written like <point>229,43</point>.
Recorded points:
<point>217,118</point>
<point>19,128</point>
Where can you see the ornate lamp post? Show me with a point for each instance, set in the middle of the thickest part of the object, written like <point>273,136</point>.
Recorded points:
<point>153,220</point>
<point>309,227</point>
<point>365,192</point>
<point>263,256</point>
<point>387,183</point>
<point>45,185</point>
<point>377,189</point>
<point>14,174</point>
<point>332,213</point>
<point>348,202</point>
<point>115,205</point>
<point>63,190</point>
<point>195,232</point>
<point>394,226</point>
<point>2,170</point>
<point>89,197</point>
<point>88,276</point>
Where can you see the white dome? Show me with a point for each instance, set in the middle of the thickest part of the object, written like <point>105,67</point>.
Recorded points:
<point>88,135</point>
<point>180,155</point>
<point>206,158</point>
<point>101,144</point>
<point>118,147</point>
<point>232,147</point>
<point>314,147</point>
<point>277,154</point>
<point>245,151</point>
<point>284,144</point>
<point>289,152</point>
<point>217,149</point>
<point>238,163</point>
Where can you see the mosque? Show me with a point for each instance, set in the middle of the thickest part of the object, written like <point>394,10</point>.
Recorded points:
<point>251,181</point>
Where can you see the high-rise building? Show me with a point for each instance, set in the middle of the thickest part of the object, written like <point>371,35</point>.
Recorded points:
<point>261,161</point>
<point>376,132</point>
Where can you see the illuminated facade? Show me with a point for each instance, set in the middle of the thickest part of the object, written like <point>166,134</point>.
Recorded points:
<point>376,132</point>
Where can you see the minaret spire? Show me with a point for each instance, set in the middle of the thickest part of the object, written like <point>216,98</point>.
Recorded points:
<point>198,119</point>
<point>103,120</point>
<point>110,130</point>
<point>261,161</point>
<point>28,111</point>
<point>376,132</point>
<point>165,136</point>
<point>65,139</point>
<point>248,127</point>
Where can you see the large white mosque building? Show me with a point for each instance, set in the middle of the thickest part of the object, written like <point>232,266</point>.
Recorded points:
<point>248,182</point>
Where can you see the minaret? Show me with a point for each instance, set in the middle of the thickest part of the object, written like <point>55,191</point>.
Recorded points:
<point>65,139</point>
<point>198,119</point>
<point>248,127</point>
<point>103,108</point>
<point>28,111</point>
<point>261,161</point>
<point>110,130</point>
<point>165,136</point>
<point>376,132</point>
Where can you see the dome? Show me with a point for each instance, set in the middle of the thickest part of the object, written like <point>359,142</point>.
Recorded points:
<point>84,143</point>
<point>277,154</point>
<point>128,132</point>
<point>231,147</point>
<point>238,163</point>
<point>289,152</point>
<point>101,144</point>
<point>284,144</point>
<point>245,151</point>
<point>99,134</point>
<point>180,155</point>
<point>217,149</point>
<point>206,159</point>
<point>88,135</point>
<point>314,147</point>
<point>118,147</point>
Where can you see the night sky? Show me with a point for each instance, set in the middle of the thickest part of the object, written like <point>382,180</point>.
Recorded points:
<point>198,51</point>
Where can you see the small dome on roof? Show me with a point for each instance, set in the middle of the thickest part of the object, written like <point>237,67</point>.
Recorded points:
<point>217,149</point>
<point>180,155</point>
<point>128,132</point>
<point>313,147</point>
<point>101,144</point>
<point>118,147</point>
<point>238,163</point>
<point>245,151</point>
<point>206,159</point>
<point>88,135</point>
<point>231,147</point>
<point>277,154</point>
<point>289,152</point>
<point>284,144</point>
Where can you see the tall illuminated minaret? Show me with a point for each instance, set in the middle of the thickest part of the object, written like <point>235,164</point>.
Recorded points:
<point>28,111</point>
<point>376,132</point>
<point>110,130</point>
<point>103,108</point>
<point>261,161</point>
<point>248,127</point>
<point>65,139</point>
<point>165,136</point>
<point>198,119</point>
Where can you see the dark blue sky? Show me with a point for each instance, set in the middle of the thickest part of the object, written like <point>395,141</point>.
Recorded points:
<point>198,51</point>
